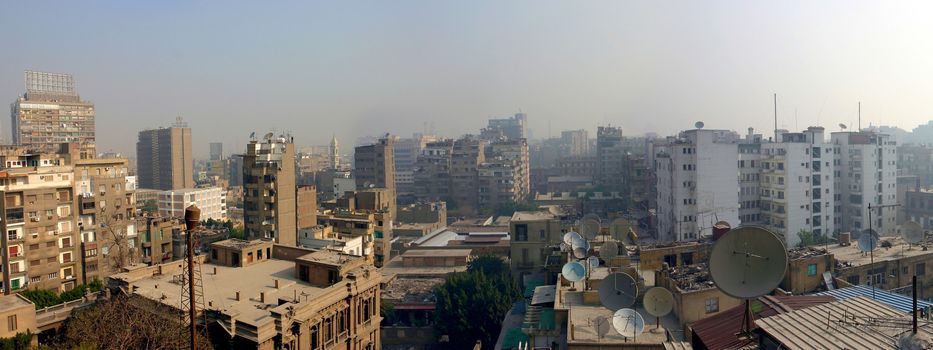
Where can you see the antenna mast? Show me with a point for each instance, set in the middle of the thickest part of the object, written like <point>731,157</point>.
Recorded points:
<point>859,116</point>
<point>775,119</point>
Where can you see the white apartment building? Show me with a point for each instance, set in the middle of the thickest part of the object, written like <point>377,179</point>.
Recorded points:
<point>797,185</point>
<point>211,200</point>
<point>866,174</point>
<point>749,178</point>
<point>697,184</point>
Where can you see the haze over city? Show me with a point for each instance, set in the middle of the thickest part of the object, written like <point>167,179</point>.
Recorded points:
<point>316,68</point>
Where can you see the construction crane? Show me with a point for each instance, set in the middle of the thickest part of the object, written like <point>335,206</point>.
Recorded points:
<point>192,287</point>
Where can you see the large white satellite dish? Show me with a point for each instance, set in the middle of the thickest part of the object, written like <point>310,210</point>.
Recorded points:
<point>628,323</point>
<point>617,291</point>
<point>912,232</point>
<point>569,237</point>
<point>868,240</point>
<point>573,271</point>
<point>748,262</point>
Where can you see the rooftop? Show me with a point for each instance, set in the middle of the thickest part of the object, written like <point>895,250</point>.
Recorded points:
<point>436,253</point>
<point>692,277</point>
<point>408,290</point>
<point>718,331</point>
<point>328,257</point>
<point>240,244</point>
<point>849,256</point>
<point>532,216</point>
<point>804,253</point>
<point>14,301</point>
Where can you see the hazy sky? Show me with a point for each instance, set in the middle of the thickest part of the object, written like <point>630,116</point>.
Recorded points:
<point>365,68</point>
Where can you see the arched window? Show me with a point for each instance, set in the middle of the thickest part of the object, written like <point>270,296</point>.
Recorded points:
<point>314,337</point>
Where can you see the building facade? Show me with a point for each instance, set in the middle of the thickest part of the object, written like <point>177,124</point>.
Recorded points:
<point>164,160</point>
<point>211,200</point>
<point>52,113</point>
<point>866,175</point>
<point>269,190</point>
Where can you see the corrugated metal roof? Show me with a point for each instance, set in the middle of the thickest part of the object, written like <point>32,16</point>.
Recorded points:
<point>677,346</point>
<point>852,324</point>
<point>897,301</point>
<point>718,331</point>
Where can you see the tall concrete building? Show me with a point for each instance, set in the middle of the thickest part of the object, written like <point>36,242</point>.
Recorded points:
<point>466,156</point>
<point>163,158</point>
<point>750,178</point>
<point>51,113</point>
<point>574,143</point>
<point>697,184</point>
<point>432,172</point>
<point>106,216</point>
<point>41,235</point>
<point>374,167</point>
<point>866,174</point>
<point>269,190</point>
<point>217,151</point>
<point>406,154</point>
<point>504,176</point>
<point>512,128</point>
<point>797,184</point>
<point>610,153</point>
<point>334,154</point>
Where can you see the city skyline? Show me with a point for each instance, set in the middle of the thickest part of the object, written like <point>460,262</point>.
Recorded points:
<point>390,68</point>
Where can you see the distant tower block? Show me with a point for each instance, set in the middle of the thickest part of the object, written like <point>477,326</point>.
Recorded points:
<point>334,153</point>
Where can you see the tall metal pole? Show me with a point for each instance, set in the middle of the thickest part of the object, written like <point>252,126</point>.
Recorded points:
<point>871,250</point>
<point>914,310</point>
<point>192,217</point>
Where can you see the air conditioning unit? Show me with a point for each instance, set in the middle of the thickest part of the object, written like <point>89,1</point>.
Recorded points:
<point>34,219</point>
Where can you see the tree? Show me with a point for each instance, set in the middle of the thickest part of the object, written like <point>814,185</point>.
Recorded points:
<point>471,305</point>
<point>510,207</point>
<point>150,207</point>
<point>21,341</point>
<point>127,323</point>
<point>387,310</point>
<point>41,297</point>
<point>808,238</point>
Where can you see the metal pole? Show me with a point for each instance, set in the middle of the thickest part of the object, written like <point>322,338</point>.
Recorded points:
<point>192,217</point>
<point>871,252</point>
<point>914,310</point>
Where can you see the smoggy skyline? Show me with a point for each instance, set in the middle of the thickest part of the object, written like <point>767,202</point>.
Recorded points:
<point>366,68</point>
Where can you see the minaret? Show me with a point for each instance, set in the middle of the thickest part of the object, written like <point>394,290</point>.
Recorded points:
<point>334,155</point>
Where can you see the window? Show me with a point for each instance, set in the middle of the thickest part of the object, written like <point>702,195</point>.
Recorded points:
<point>811,270</point>
<point>542,235</point>
<point>53,275</point>
<point>521,232</point>
<point>921,269</point>
<point>712,305</point>
<point>11,323</point>
<point>35,279</point>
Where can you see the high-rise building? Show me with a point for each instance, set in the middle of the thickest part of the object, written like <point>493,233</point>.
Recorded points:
<point>697,184</point>
<point>505,175</point>
<point>432,172</point>
<point>749,178</point>
<point>609,157</point>
<point>796,184</point>
<point>217,151</point>
<point>512,128</point>
<point>41,235</point>
<point>406,154</point>
<point>212,201</point>
<point>107,216</point>
<point>466,156</point>
<point>51,113</point>
<point>574,143</point>
<point>334,154</point>
<point>163,158</point>
<point>269,190</point>
<point>374,167</point>
<point>866,175</point>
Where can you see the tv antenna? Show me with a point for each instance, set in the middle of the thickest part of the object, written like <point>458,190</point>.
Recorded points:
<point>658,302</point>
<point>746,263</point>
<point>617,291</point>
<point>628,323</point>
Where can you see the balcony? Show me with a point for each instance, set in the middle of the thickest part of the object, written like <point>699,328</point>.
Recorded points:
<point>87,205</point>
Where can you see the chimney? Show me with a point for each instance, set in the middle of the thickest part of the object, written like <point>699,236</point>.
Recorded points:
<point>262,297</point>
<point>215,270</point>
<point>276,283</point>
<point>237,297</point>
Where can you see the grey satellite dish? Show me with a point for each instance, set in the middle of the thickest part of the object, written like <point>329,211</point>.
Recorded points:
<point>748,262</point>
<point>573,271</point>
<point>618,229</point>
<point>912,232</point>
<point>593,217</point>
<point>842,126</point>
<point>589,228</point>
<point>569,237</point>
<point>603,325</point>
<point>617,291</point>
<point>593,262</point>
<point>658,301</point>
<point>699,125</point>
<point>564,247</point>
<point>628,323</point>
<point>608,251</point>
<point>580,252</point>
<point>868,240</point>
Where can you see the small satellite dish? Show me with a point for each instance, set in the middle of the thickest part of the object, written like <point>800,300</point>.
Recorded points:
<point>618,229</point>
<point>699,125</point>
<point>589,228</point>
<point>591,217</point>
<point>580,252</point>
<point>593,262</point>
<point>573,271</point>
<point>912,232</point>
<point>868,240</point>
<point>658,301</point>
<point>269,136</point>
<point>603,325</point>
<point>748,262</point>
<point>617,291</point>
<point>842,126</point>
<point>608,251</point>
<point>628,323</point>
<point>570,236</point>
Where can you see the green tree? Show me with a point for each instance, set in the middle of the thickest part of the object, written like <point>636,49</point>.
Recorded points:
<point>808,238</point>
<point>21,341</point>
<point>509,208</point>
<point>387,310</point>
<point>471,305</point>
<point>237,233</point>
<point>41,297</point>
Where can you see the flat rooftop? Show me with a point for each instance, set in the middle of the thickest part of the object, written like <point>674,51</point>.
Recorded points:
<point>850,256</point>
<point>692,277</point>
<point>220,289</point>
<point>328,257</point>
<point>239,243</point>
<point>395,267</point>
<point>436,253</point>
<point>14,301</point>
<point>587,321</point>
<point>408,290</point>
<point>531,216</point>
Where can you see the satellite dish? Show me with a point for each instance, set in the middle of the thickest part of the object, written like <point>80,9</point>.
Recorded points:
<point>699,125</point>
<point>748,262</point>
<point>269,136</point>
<point>619,229</point>
<point>564,246</point>
<point>608,251</point>
<point>842,126</point>
<point>593,262</point>
<point>912,232</point>
<point>580,252</point>
<point>573,271</point>
<point>868,240</point>
<point>570,236</point>
<point>589,228</point>
<point>602,326</point>
<point>658,301</point>
<point>591,217</point>
<point>618,291</point>
<point>628,323</point>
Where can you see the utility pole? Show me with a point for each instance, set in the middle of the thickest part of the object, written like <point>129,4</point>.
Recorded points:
<point>192,218</point>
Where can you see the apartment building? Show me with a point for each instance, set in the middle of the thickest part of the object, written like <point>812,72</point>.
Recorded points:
<point>432,171</point>
<point>406,153</point>
<point>156,235</point>
<point>697,184</point>
<point>164,159</point>
<point>574,143</point>
<point>797,185</point>
<point>40,247</point>
<point>374,167</point>
<point>534,234</point>
<point>749,178</point>
<point>107,216</point>
<point>51,113</point>
<point>269,191</point>
<point>465,157</point>
<point>609,157</point>
<point>866,175</point>
<point>515,152</point>
<point>511,128</point>
<point>211,200</point>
